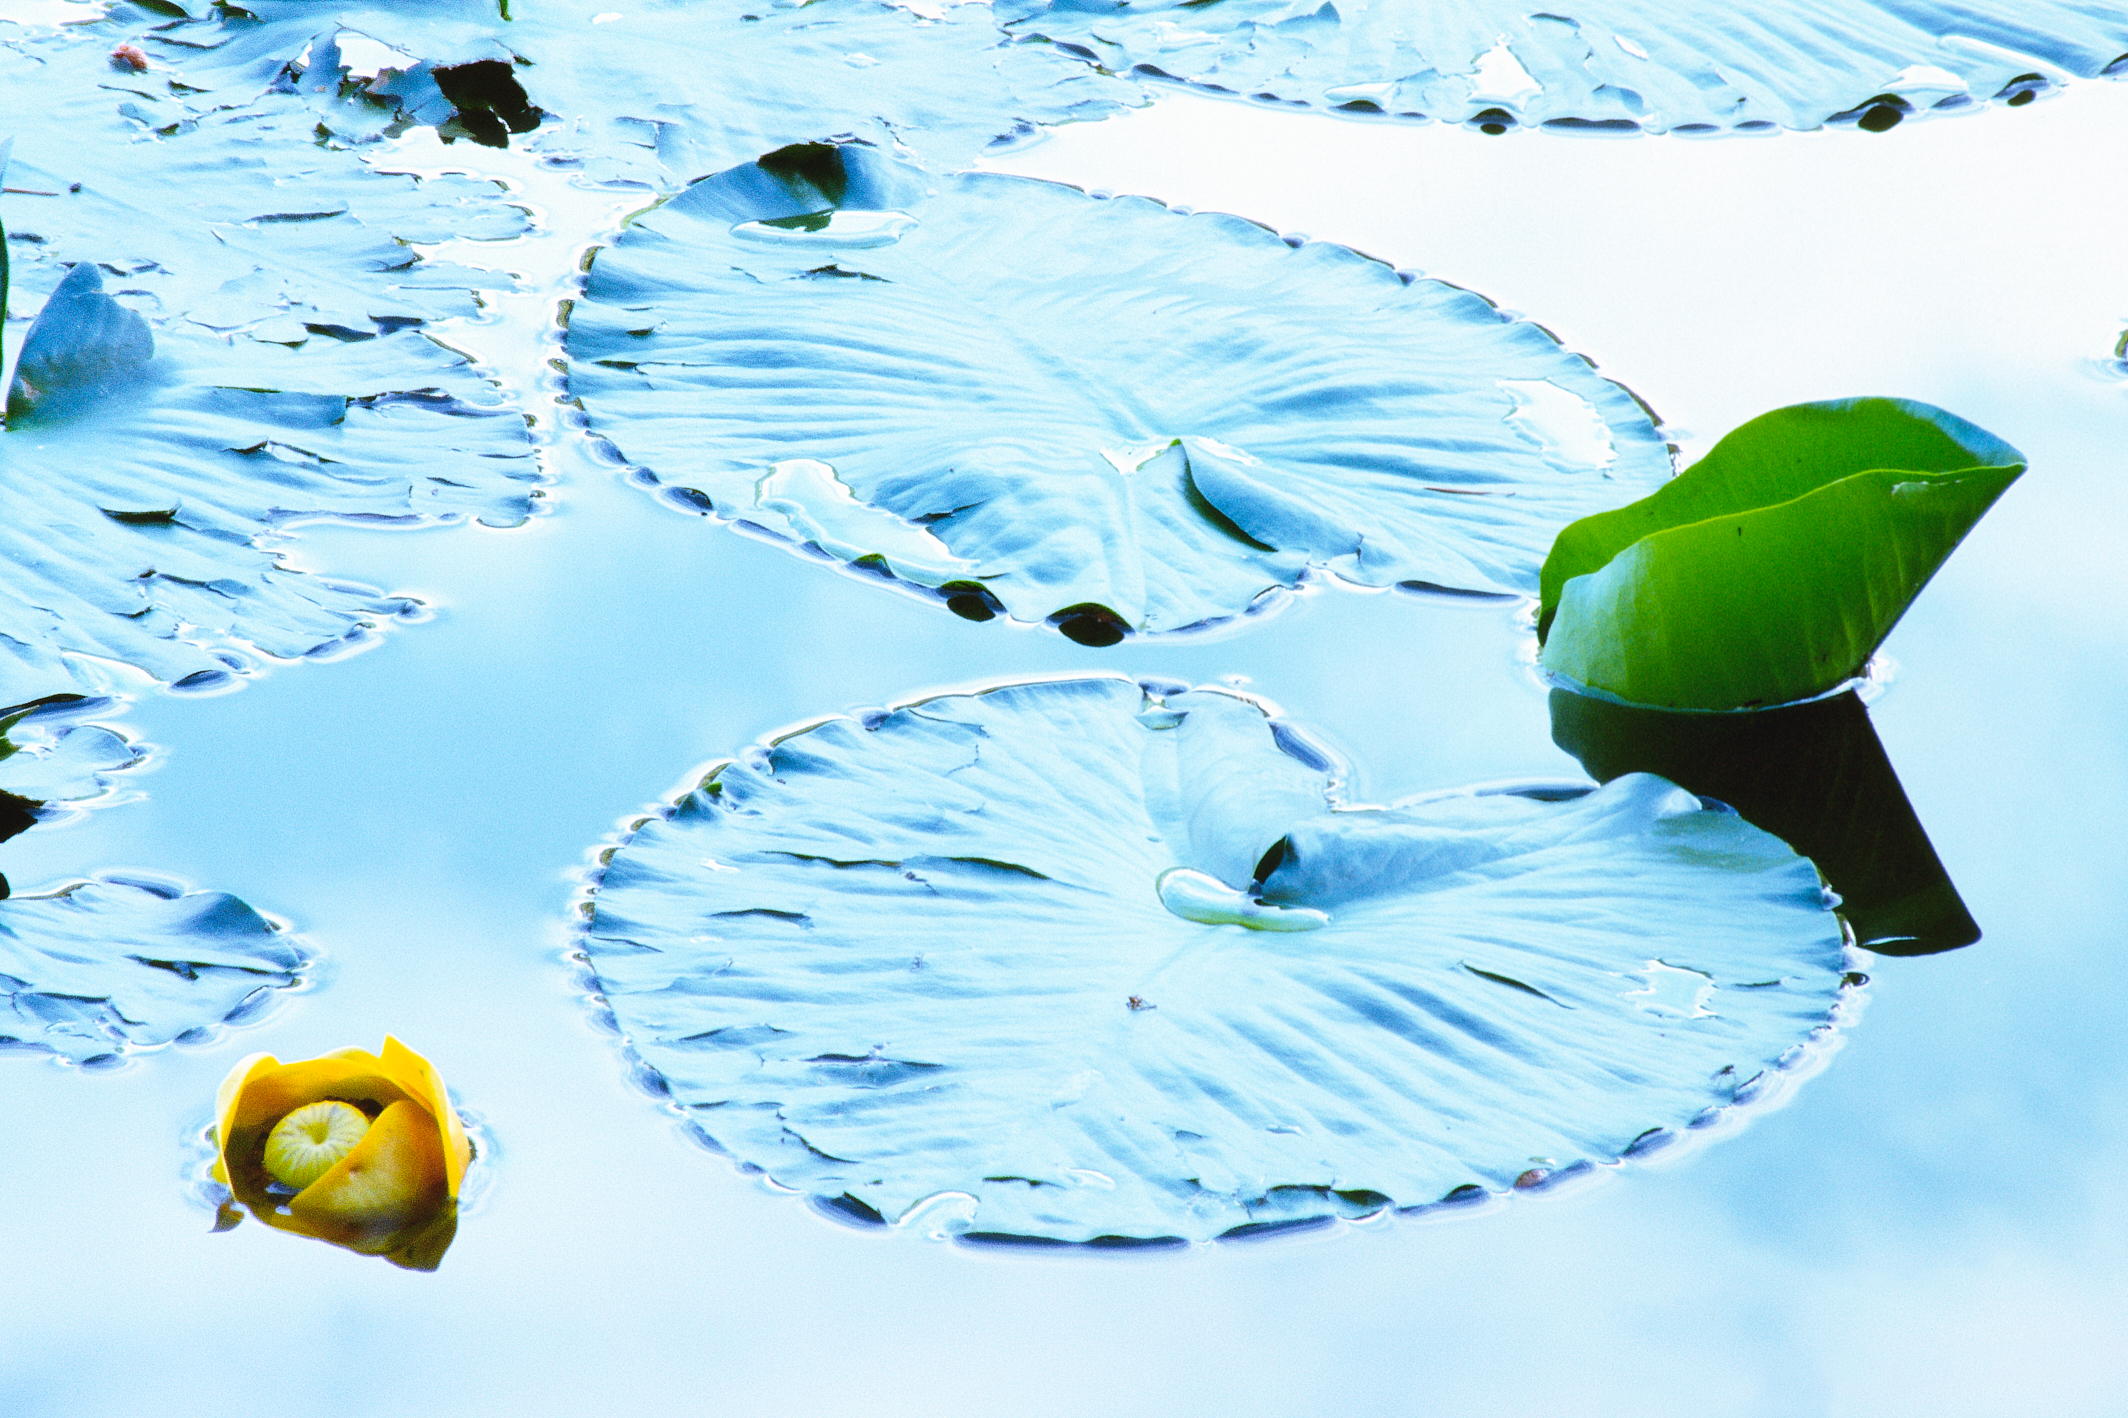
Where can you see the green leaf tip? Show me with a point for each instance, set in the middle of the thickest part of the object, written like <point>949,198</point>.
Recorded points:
<point>1770,570</point>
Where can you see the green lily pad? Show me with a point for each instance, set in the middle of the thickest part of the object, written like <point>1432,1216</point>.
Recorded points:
<point>53,762</point>
<point>213,176</point>
<point>1095,411</point>
<point>1772,569</point>
<point>102,969</point>
<point>1608,66</point>
<point>1089,959</point>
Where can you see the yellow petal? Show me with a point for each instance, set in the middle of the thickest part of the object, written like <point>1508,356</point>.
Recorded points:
<point>395,1178</point>
<point>422,1247</point>
<point>420,1079</point>
<point>395,1194</point>
<point>348,1076</point>
<point>225,1098</point>
<point>233,1084</point>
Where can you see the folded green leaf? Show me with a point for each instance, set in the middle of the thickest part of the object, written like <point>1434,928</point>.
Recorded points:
<point>1772,569</point>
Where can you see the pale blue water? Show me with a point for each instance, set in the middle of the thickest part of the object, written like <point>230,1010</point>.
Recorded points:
<point>1932,1225</point>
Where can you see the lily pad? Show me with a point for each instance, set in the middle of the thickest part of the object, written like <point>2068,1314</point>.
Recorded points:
<point>1772,569</point>
<point>652,95</point>
<point>1604,65</point>
<point>234,335</point>
<point>50,755</point>
<point>1000,963</point>
<point>101,969</point>
<point>1094,410</point>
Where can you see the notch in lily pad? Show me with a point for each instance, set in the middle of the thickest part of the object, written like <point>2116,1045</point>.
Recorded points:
<point>1771,570</point>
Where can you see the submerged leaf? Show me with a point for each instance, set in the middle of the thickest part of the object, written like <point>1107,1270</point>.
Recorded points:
<point>1603,65</point>
<point>947,961</point>
<point>1771,569</point>
<point>1091,408</point>
<point>84,346</point>
<point>102,968</point>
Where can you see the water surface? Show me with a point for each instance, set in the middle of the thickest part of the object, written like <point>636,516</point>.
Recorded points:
<point>1932,1226</point>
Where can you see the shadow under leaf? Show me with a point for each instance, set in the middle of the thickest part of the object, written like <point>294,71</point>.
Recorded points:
<point>1813,774</point>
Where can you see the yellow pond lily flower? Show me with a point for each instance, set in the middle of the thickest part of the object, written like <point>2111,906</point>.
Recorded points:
<point>363,1150</point>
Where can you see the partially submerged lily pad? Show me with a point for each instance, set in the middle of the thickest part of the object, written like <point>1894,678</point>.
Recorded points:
<point>1079,408</point>
<point>233,335</point>
<point>53,757</point>
<point>100,969</point>
<point>672,89</point>
<point>998,962</point>
<point>652,95</point>
<point>1620,66</point>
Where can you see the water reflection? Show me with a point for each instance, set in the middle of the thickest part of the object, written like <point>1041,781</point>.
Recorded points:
<point>1812,774</point>
<point>419,1246</point>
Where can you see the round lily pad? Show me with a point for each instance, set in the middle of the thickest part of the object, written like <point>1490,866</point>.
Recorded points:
<point>1086,959</point>
<point>1620,66</point>
<point>1096,411</point>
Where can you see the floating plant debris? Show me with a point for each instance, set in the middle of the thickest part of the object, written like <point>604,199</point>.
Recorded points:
<point>1078,960</point>
<point>1096,411</point>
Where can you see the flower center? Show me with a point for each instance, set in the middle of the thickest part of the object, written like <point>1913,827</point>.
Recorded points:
<point>306,1144</point>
